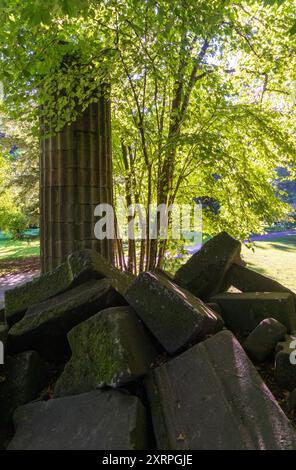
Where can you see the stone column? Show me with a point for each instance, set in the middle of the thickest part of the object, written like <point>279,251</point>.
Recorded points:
<point>75,176</point>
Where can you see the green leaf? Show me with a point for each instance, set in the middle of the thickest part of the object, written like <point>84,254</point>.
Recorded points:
<point>293,29</point>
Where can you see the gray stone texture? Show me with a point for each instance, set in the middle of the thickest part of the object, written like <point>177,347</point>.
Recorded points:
<point>24,377</point>
<point>204,272</point>
<point>261,342</point>
<point>109,349</point>
<point>45,326</point>
<point>243,311</point>
<point>98,420</point>
<point>172,314</point>
<point>212,398</point>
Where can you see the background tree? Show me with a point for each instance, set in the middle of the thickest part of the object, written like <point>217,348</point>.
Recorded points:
<point>19,166</point>
<point>202,98</point>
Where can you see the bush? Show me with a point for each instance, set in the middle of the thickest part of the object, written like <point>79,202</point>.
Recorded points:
<point>12,220</point>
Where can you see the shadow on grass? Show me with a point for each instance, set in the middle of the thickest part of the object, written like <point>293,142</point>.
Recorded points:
<point>18,249</point>
<point>282,244</point>
<point>257,269</point>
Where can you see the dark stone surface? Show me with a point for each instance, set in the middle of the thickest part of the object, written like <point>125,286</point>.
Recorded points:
<point>215,307</point>
<point>262,340</point>
<point>17,300</point>
<point>98,420</point>
<point>45,326</point>
<point>243,311</point>
<point>2,311</point>
<point>173,315</point>
<point>85,264</point>
<point>291,401</point>
<point>80,267</point>
<point>247,280</point>
<point>284,369</point>
<point>285,343</point>
<point>3,333</point>
<point>24,376</point>
<point>109,349</point>
<point>204,272</point>
<point>211,397</point>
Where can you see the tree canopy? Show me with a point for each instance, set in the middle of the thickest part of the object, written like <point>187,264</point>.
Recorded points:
<point>203,95</point>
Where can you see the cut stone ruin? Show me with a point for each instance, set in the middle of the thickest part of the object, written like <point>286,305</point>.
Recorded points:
<point>148,362</point>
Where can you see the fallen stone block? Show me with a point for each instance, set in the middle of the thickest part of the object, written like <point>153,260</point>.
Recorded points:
<point>163,273</point>
<point>17,300</point>
<point>98,420</point>
<point>3,333</point>
<point>262,340</point>
<point>243,311</point>
<point>173,315</point>
<point>215,307</point>
<point>45,326</point>
<point>285,364</point>
<point>24,376</point>
<point>212,398</point>
<point>80,267</point>
<point>285,343</point>
<point>291,401</point>
<point>109,349</point>
<point>86,264</point>
<point>247,280</point>
<point>204,272</point>
<point>2,311</point>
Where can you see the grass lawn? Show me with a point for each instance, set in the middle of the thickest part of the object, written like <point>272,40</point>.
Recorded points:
<point>18,256</point>
<point>13,249</point>
<point>275,258</point>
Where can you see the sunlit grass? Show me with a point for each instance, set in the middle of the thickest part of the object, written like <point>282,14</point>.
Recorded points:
<point>276,258</point>
<point>14,249</point>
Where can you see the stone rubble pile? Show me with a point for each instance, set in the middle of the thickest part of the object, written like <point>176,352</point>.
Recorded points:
<point>100,359</point>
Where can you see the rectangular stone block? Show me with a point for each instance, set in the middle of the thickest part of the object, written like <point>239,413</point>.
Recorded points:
<point>242,312</point>
<point>17,300</point>
<point>247,280</point>
<point>204,272</point>
<point>173,315</point>
<point>45,325</point>
<point>80,266</point>
<point>212,398</point>
<point>98,420</point>
<point>285,364</point>
<point>110,349</point>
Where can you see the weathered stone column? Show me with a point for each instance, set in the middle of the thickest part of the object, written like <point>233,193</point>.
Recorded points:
<point>75,176</point>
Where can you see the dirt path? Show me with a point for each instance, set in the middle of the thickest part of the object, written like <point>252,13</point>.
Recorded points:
<point>15,272</point>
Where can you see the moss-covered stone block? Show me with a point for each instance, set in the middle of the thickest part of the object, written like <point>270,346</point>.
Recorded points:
<point>45,325</point>
<point>109,349</point>
<point>20,298</point>
<point>88,263</point>
<point>80,267</point>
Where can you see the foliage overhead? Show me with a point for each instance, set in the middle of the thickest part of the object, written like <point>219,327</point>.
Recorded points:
<point>203,94</point>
